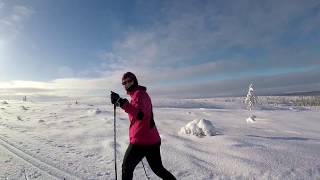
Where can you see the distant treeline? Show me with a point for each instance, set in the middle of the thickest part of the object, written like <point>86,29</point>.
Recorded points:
<point>291,100</point>
<point>307,101</point>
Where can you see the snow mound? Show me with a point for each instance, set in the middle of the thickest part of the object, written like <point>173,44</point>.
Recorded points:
<point>5,102</point>
<point>199,127</point>
<point>251,119</point>
<point>94,111</point>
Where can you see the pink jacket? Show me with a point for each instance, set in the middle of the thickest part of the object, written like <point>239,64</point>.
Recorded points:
<point>142,127</point>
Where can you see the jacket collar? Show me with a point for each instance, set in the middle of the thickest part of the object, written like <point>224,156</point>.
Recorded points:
<point>141,88</point>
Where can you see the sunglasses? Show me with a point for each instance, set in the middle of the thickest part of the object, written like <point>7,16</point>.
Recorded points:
<point>126,81</point>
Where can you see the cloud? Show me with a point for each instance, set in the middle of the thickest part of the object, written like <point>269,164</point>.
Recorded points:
<point>172,56</point>
<point>207,69</point>
<point>11,22</point>
<point>178,47</point>
<point>205,48</point>
<point>71,87</point>
<point>1,5</point>
<point>265,85</point>
<point>191,31</point>
<point>23,91</point>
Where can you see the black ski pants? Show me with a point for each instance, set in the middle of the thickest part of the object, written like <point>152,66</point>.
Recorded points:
<point>134,155</point>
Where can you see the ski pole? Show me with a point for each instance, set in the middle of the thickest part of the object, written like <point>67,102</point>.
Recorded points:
<point>115,140</point>
<point>145,172</point>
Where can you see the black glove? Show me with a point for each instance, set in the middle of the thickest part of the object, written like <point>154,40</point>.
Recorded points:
<point>114,97</point>
<point>117,100</point>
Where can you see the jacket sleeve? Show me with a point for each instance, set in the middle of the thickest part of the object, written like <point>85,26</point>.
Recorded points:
<point>135,107</point>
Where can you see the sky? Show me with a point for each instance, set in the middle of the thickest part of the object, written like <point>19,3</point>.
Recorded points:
<point>187,48</point>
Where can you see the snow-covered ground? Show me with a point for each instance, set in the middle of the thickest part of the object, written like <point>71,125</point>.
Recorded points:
<point>60,139</point>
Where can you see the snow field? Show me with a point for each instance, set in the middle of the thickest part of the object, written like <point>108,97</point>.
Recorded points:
<point>55,138</point>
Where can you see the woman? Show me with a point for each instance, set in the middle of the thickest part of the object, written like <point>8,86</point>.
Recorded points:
<point>144,137</point>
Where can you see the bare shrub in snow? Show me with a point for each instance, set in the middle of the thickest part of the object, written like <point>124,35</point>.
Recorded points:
<point>5,102</point>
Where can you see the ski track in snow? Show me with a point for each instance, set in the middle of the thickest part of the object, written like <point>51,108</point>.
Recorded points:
<point>43,166</point>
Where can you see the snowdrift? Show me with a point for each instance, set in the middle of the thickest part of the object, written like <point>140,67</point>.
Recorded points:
<point>198,127</point>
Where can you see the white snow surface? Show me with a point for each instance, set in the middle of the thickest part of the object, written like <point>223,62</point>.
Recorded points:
<point>58,139</point>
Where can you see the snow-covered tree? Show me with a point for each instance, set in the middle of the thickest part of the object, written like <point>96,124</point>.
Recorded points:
<point>251,98</point>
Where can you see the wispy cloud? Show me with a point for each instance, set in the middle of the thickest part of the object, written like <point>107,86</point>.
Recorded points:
<point>1,4</point>
<point>188,31</point>
<point>176,47</point>
<point>11,22</point>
